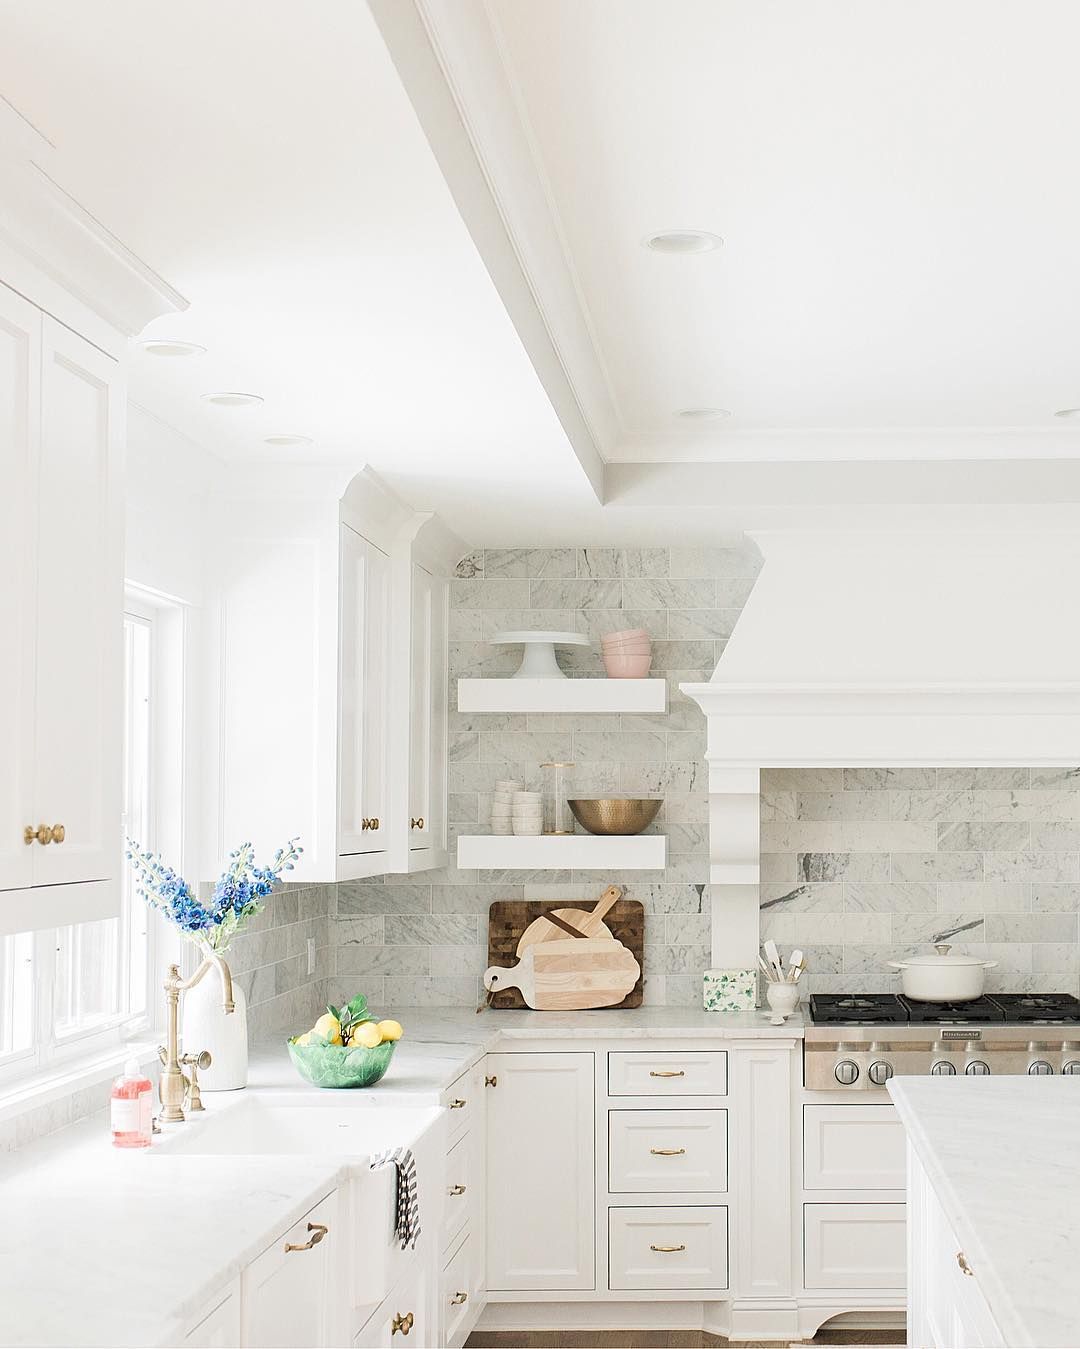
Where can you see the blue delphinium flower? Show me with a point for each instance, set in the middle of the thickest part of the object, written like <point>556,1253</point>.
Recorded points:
<point>237,896</point>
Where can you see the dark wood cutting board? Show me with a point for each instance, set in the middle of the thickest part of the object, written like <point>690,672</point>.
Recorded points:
<point>508,919</point>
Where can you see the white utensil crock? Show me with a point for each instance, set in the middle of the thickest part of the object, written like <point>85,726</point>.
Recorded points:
<point>942,977</point>
<point>783,998</point>
<point>206,1025</point>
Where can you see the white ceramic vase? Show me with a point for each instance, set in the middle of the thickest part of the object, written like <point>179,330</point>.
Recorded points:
<point>206,1025</point>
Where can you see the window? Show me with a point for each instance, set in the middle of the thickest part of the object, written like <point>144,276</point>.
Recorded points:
<point>78,989</point>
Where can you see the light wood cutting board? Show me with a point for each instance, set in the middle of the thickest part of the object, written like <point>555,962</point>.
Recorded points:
<point>589,922</point>
<point>570,975</point>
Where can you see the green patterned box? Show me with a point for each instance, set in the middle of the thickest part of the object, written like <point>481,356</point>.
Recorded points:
<point>730,990</point>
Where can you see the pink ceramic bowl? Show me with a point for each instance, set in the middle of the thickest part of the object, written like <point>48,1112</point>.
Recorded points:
<point>634,666</point>
<point>624,635</point>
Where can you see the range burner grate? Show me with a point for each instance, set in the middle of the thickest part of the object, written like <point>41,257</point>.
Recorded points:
<point>877,1009</point>
<point>856,1009</point>
<point>973,1011</point>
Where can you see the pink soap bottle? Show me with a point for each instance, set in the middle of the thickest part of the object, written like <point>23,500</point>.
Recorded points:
<point>131,1108</point>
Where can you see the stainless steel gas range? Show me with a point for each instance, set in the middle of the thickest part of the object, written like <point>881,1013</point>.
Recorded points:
<point>857,1042</point>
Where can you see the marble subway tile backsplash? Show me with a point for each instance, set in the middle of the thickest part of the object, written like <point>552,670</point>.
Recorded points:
<point>865,865</point>
<point>423,938</point>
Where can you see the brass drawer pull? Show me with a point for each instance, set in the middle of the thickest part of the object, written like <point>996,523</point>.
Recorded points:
<point>458,1299</point>
<point>418,823</point>
<point>402,1323</point>
<point>317,1230</point>
<point>44,834</point>
<point>456,1189</point>
<point>965,1268</point>
<point>667,1152</point>
<point>665,1249</point>
<point>678,1072</point>
<point>457,1104</point>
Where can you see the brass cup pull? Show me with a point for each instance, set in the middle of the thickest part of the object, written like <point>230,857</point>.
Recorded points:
<point>456,1189</point>
<point>667,1152</point>
<point>44,834</point>
<point>418,823</point>
<point>458,1299</point>
<point>457,1104</point>
<point>677,1072</point>
<point>666,1249</point>
<point>965,1268</point>
<point>317,1230</point>
<point>402,1323</point>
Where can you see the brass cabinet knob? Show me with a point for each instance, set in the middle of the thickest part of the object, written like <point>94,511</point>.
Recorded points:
<point>458,1104</point>
<point>965,1268</point>
<point>492,1081</point>
<point>44,833</point>
<point>402,1323</point>
<point>456,1189</point>
<point>317,1230</point>
<point>365,824</point>
<point>458,1299</point>
<point>373,823</point>
<point>417,823</point>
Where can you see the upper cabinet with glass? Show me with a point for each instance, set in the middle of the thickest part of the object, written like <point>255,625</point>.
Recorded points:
<point>331,675</point>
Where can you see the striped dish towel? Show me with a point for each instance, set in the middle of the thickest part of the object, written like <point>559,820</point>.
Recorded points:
<point>407,1202</point>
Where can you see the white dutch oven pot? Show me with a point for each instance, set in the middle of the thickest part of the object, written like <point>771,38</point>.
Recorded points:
<point>942,977</point>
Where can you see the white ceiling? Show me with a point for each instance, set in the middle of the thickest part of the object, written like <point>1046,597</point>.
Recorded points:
<point>263,157</point>
<point>894,183</point>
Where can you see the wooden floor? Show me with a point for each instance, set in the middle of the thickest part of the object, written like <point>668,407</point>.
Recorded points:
<point>660,1339</point>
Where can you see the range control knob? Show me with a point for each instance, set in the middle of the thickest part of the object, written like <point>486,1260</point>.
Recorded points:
<point>978,1069</point>
<point>1040,1068</point>
<point>880,1073</point>
<point>1072,1068</point>
<point>943,1068</point>
<point>846,1072</point>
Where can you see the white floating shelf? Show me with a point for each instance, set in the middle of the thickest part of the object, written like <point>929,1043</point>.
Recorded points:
<point>562,695</point>
<point>554,852</point>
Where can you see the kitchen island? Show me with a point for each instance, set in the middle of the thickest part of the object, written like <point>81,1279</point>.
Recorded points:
<point>994,1209</point>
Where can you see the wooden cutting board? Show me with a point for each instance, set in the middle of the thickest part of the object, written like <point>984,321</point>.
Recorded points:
<point>570,975</point>
<point>509,918</point>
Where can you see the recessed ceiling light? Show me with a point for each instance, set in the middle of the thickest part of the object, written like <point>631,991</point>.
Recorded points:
<point>1068,412</point>
<point>703,414</point>
<point>288,440</point>
<point>683,241</point>
<point>233,400</point>
<point>167,346</point>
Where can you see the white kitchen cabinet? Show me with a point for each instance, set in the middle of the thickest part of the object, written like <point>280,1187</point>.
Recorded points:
<point>854,1246</point>
<point>430,597</point>
<point>364,772</point>
<point>61,601</point>
<point>218,1326</point>
<point>540,1177</point>
<point>289,1291</point>
<point>321,721</point>
<point>853,1147</point>
<point>946,1306</point>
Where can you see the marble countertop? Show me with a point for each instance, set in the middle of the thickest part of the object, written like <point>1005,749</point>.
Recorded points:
<point>1001,1153</point>
<point>139,1242</point>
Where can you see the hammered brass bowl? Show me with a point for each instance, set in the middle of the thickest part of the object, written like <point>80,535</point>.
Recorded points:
<point>616,814</point>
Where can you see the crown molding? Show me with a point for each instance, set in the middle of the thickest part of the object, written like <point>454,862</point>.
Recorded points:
<point>447,56</point>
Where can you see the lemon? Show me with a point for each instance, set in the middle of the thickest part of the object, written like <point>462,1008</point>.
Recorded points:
<point>329,1027</point>
<point>304,1039</point>
<point>366,1034</point>
<point>390,1030</point>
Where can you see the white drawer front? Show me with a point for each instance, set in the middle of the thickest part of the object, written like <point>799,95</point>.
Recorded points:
<point>460,1188</point>
<point>855,1245</point>
<point>462,1103</point>
<point>683,1248</point>
<point>456,1295</point>
<point>664,1150</point>
<point>853,1147</point>
<point>685,1073</point>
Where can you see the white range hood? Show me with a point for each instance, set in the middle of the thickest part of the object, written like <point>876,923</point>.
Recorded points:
<point>934,648</point>
<point>885,649</point>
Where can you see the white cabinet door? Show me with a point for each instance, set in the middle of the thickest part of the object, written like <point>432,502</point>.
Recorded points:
<point>540,1181</point>
<point>855,1246</point>
<point>20,390</point>
<point>853,1147</point>
<point>427,718</point>
<point>79,603</point>
<point>288,1291</point>
<point>363,826</point>
<point>218,1327</point>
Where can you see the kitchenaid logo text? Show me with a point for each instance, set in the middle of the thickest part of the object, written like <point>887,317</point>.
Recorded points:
<point>969,1034</point>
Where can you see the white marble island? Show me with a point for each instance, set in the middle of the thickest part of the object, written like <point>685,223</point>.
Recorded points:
<point>998,1163</point>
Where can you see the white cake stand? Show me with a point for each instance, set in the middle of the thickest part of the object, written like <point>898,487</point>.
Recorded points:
<point>538,659</point>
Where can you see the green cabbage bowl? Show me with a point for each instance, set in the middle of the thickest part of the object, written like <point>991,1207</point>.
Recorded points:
<point>326,1065</point>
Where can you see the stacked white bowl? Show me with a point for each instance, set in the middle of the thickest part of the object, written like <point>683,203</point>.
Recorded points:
<point>502,805</point>
<point>528,813</point>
